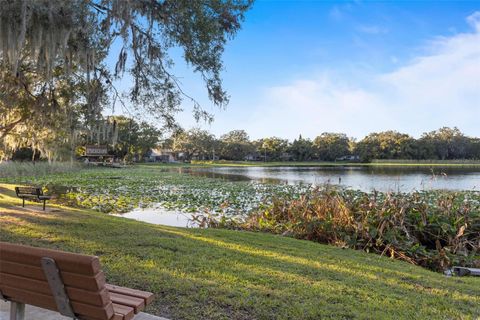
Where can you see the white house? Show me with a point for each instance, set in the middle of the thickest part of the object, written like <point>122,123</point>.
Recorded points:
<point>161,155</point>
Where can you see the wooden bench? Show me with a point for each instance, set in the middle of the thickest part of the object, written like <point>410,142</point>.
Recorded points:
<point>72,284</point>
<point>31,193</point>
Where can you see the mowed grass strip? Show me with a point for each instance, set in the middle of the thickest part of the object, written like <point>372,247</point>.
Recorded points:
<point>222,274</point>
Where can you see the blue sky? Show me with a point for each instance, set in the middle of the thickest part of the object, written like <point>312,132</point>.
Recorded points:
<point>307,67</point>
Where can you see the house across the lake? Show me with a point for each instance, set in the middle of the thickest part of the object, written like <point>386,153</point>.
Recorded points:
<point>162,155</point>
<point>348,158</point>
<point>255,156</point>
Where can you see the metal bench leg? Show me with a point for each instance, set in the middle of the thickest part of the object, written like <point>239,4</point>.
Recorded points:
<point>44,204</point>
<point>57,287</point>
<point>23,204</point>
<point>17,311</point>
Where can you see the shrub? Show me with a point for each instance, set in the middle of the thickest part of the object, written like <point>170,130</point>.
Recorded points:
<point>433,229</point>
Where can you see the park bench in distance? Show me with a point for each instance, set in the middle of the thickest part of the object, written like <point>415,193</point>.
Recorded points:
<point>31,193</point>
<point>72,284</point>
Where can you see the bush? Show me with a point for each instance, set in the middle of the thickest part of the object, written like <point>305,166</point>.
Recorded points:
<point>433,229</point>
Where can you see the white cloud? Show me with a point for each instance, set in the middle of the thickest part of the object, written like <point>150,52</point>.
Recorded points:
<point>474,20</point>
<point>441,88</point>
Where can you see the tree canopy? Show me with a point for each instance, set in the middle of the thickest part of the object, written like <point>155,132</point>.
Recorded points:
<point>194,143</point>
<point>53,58</point>
<point>235,145</point>
<point>442,144</point>
<point>330,146</point>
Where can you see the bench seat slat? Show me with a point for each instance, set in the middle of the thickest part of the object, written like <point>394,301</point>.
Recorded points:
<point>100,298</point>
<point>88,312</point>
<point>71,262</point>
<point>127,313</point>
<point>22,279</point>
<point>136,303</point>
<point>146,296</point>
<point>28,190</point>
<point>92,283</point>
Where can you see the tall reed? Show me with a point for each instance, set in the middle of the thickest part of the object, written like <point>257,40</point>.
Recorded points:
<point>13,169</point>
<point>433,229</point>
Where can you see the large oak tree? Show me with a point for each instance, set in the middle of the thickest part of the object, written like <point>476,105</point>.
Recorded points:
<point>53,56</point>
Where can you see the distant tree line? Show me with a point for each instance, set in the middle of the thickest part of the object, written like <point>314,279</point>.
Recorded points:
<point>133,140</point>
<point>442,144</point>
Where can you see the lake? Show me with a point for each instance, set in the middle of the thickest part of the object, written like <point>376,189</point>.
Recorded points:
<point>403,179</point>
<point>159,215</point>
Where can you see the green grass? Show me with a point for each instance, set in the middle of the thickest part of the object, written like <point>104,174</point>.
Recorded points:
<point>222,274</point>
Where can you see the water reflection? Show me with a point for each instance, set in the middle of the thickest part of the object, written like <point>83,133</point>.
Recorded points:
<point>356,177</point>
<point>403,179</point>
<point>212,174</point>
<point>159,215</point>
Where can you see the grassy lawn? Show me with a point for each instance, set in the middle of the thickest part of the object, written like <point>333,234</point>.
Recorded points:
<point>221,274</point>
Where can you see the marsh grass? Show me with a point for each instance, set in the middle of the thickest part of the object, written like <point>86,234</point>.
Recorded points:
<point>36,169</point>
<point>433,229</point>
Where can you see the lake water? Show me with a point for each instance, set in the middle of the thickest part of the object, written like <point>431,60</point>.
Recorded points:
<point>159,215</point>
<point>356,177</point>
<point>403,179</point>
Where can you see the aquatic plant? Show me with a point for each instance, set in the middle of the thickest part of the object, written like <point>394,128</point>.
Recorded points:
<point>121,190</point>
<point>434,229</point>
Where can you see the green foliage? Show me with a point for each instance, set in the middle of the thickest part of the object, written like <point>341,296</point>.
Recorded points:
<point>446,143</point>
<point>121,190</point>
<point>405,226</point>
<point>273,148</point>
<point>235,145</point>
<point>330,146</point>
<point>54,79</point>
<point>195,143</point>
<point>135,139</point>
<point>301,149</point>
<point>443,144</point>
<point>386,145</point>
<point>432,229</point>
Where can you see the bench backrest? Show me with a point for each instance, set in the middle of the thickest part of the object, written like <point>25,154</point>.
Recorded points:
<point>35,191</point>
<point>22,279</point>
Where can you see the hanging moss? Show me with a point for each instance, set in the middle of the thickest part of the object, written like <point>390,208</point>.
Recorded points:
<point>50,46</point>
<point>43,31</point>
